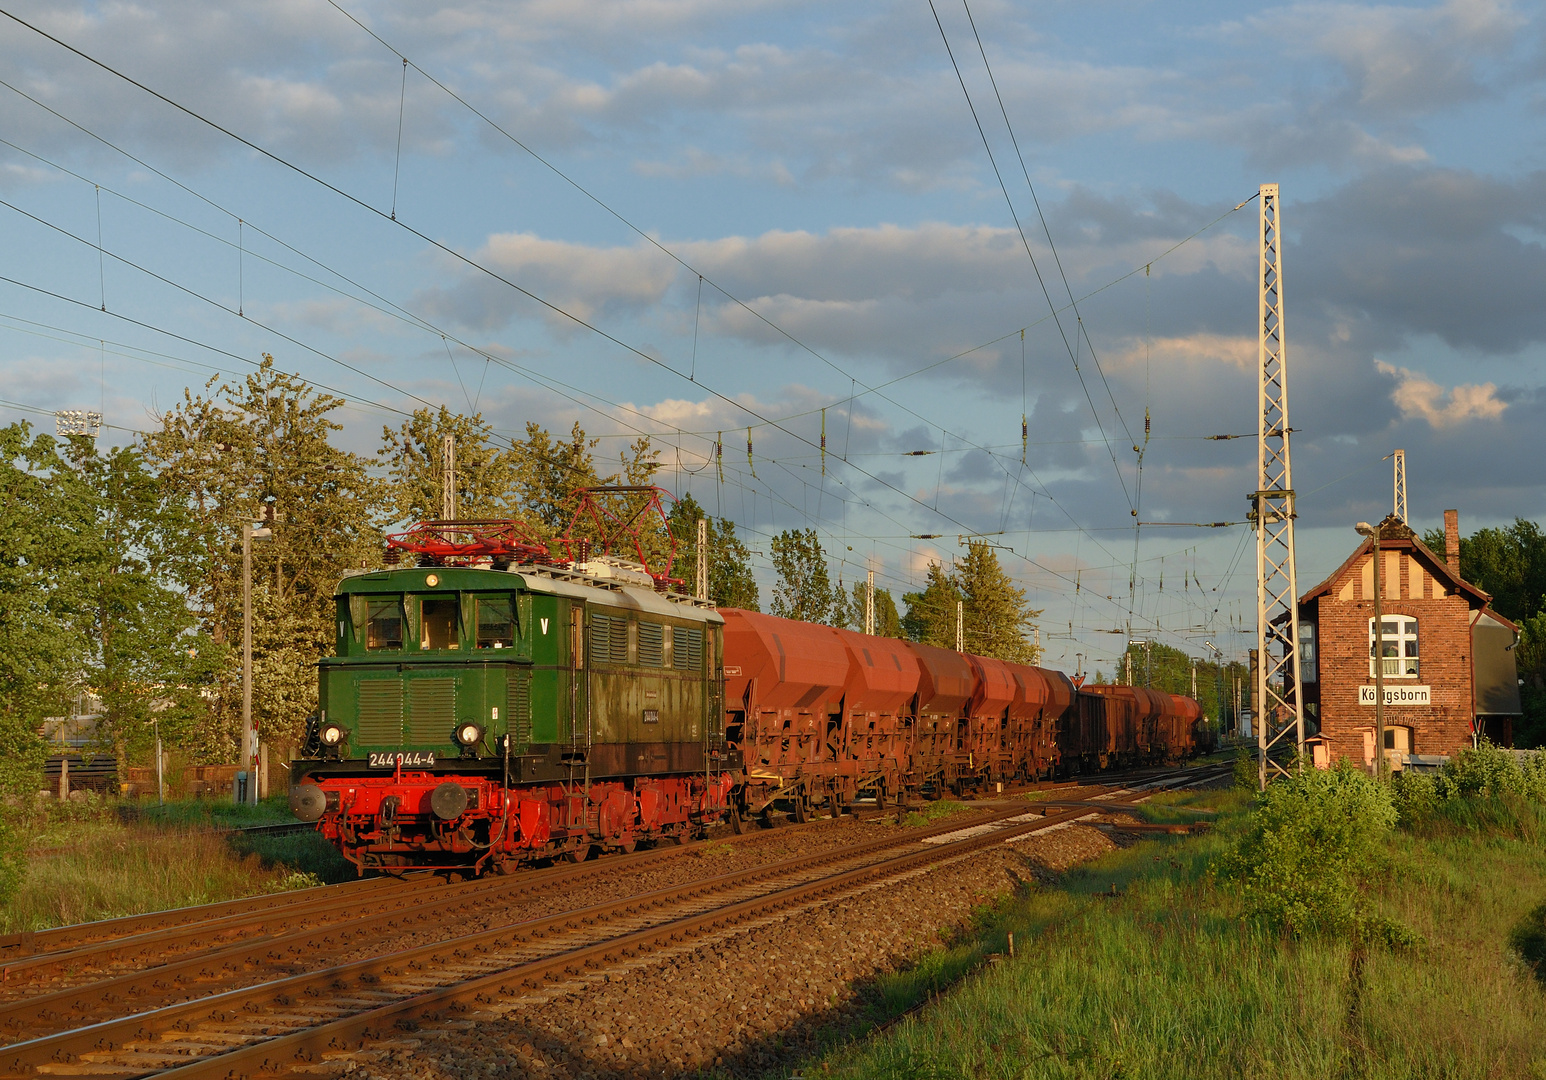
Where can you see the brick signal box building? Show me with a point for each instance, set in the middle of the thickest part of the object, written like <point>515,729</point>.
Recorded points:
<point>1448,658</point>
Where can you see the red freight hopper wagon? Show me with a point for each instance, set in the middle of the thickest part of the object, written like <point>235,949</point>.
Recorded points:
<point>990,751</point>
<point>1042,697</point>
<point>1061,697</point>
<point>945,686</point>
<point>877,705</point>
<point>1186,720</point>
<point>783,701</point>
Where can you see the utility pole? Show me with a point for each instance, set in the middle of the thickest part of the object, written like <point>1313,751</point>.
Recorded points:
<point>1281,714</point>
<point>1194,680</point>
<point>448,478</point>
<point>160,780</point>
<point>960,626</point>
<point>249,734</point>
<point>702,579</point>
<point>869,603</point>
<point>1128,656</point>
<point>1398,484</point>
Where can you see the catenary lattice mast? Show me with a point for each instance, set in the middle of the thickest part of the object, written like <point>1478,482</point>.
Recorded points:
<point>1278,685</point>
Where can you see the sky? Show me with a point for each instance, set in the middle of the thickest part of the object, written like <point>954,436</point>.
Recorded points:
<point>906,227</point>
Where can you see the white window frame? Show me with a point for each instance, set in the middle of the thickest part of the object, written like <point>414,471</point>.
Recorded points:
<point>1406,663</point>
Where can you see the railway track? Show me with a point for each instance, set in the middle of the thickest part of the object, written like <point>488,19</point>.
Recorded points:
<point>200,949</point>
<point>290,1018</point>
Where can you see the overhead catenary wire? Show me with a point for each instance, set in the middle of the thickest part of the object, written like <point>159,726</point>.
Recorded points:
<point>655,242</point>
<point>472,263</point>
<point>1025,242</point>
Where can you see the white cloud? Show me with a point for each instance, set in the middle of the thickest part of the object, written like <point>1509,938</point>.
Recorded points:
<point>1416,395</point>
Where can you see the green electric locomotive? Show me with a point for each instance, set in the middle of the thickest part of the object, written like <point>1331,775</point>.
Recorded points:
<point>481,717</point>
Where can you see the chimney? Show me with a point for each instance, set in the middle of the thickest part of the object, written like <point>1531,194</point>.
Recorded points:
<point>1452,540</point>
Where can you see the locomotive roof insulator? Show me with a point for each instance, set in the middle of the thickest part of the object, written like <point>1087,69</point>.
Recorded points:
<point>442,543</point>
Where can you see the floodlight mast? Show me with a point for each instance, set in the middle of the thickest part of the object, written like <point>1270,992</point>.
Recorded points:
<point>1272,512</point>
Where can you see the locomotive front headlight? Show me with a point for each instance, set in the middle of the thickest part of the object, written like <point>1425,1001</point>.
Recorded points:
<point>469,734</point>
<point>331,734</point>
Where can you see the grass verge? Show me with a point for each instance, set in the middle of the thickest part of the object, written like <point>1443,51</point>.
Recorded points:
<point>1142,964</point>
<point>102,859</point>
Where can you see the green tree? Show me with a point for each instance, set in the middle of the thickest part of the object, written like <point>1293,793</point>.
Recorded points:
<point>548,474</point>
<point>804,591</point>
<point>41,655</point>
<point>931,612</point>
<point>1508,563</point>
<point>997,619</point>
<point>887,622</point>
<point>413,459</point>
<point>1530,660</point>
<point>144,654</point>
<point>260,450</point>
<point>731,583</point>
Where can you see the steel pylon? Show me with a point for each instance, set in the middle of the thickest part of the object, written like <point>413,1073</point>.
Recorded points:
<point>1278,685</point>
<point>1398,484</point>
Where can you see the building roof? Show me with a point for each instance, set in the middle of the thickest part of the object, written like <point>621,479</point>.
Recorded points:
<point>1396,535</point>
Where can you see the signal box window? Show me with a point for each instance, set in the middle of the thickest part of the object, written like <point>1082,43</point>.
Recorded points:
<point>437,624</point>
<point>496,623</point>
<point>1400,655</point>
<point>384,625</point>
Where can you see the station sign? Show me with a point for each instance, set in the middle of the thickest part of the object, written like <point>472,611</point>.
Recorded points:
<point>1397,695</point>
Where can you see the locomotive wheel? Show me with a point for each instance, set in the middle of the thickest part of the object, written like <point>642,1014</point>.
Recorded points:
<point>627,844</point>
<point>737,826</point>
<point>577,854</point>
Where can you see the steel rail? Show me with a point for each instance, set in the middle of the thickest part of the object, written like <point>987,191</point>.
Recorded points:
<point>37,1054</point>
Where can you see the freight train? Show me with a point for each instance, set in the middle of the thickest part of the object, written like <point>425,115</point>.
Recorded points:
<point>490,715</point>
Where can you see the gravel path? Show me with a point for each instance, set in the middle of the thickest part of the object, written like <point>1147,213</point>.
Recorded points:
<point>744,1004</point>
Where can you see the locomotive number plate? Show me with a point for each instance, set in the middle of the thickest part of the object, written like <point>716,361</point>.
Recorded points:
<point>412,759</point>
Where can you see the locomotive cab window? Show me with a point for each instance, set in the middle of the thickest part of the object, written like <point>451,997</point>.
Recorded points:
<point>384,624</point>
<point>437,623</point>
<point>496,623</point>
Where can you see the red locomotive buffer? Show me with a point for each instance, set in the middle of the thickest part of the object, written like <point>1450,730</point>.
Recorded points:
<point>784,685</point>
<point>877,708</point>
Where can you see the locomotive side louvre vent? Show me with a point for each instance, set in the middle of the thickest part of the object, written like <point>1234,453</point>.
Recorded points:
<point>380,704</point>
<point>687,647</point>
<point>431,711</point>
<point>652,644</point>
<point>608,639</point>
<point>519,709</point>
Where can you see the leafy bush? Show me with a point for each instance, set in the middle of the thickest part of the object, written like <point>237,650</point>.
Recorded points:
<point>1487,770</point>
<point>1314,837</point>
<point>1483,788</point>
<point>1247,772</point>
